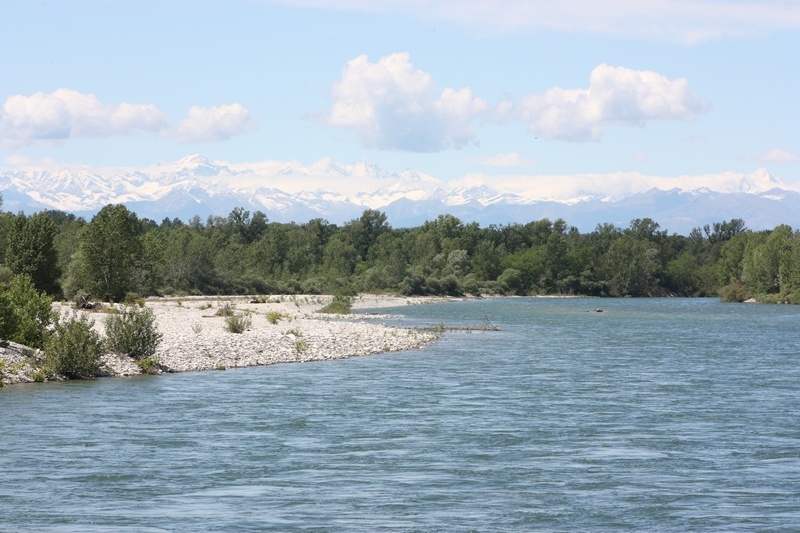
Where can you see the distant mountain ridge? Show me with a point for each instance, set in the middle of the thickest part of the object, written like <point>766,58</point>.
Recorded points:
<point>339,192</point>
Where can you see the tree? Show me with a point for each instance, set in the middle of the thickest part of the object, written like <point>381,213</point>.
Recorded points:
<point>110,251</point>
<point>630,266</point>
<point>31,251</point>
<point>25,313</point>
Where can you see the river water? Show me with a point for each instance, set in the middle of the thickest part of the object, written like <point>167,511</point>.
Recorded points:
<point>656,414</point>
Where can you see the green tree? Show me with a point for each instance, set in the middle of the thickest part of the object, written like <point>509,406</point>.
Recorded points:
<point>25,313</point>
<point>630,266</point>
<point>111,249</point>
<point>762,262</point>
<point>31,251</point>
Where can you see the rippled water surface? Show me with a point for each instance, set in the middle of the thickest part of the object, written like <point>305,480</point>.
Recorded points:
<point>665,414</point>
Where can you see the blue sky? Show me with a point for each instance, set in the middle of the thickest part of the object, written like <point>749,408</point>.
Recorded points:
<point>449,88</point>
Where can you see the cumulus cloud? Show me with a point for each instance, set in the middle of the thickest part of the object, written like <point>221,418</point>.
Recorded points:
<point>392,105</point>
<point>215,123</point>
<point>68,114</point>
<point>510,159</point>
<point>777,155</point>
<point>683,21</point>
<point>616,95</point>
<point>64,114</point>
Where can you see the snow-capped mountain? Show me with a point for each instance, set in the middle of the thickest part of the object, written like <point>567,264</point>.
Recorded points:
<point>290,191</point>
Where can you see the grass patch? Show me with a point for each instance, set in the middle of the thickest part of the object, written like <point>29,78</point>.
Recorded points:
<point>274,316</point>
<point>300,346</point>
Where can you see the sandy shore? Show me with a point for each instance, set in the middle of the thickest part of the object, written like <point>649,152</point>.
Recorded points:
<point>196,338</point>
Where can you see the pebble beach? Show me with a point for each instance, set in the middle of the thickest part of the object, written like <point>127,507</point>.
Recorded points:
<point>282,329</point>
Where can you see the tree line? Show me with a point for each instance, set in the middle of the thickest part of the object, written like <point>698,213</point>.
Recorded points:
<point>117,256</point>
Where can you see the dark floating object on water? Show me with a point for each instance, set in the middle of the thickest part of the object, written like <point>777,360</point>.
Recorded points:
<point>598,310</point>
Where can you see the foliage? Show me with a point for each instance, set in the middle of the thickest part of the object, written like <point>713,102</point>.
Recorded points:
<point>133,332</point>
<point>25,313</point>
<point>110,252</point>
<point>300,346</point>
<point>340,305</point>
<point>31,251</point>
<point>735,292</point>
<point>74,348</point>
<point>238,323</point>
<point>227,309</point>
<point>274,316</point>
<point>117,254</point>
<point>148,365</point>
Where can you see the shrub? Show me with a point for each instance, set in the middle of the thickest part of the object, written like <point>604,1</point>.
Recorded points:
<point>274,316</point>
<point>340,305</point>
<point>74,348</point>
<point>300,346</point>
<point>148,365</point>
<point>133,332</point>
<point>735,292</point>
<point>226,309</point>
<point>238,323</point>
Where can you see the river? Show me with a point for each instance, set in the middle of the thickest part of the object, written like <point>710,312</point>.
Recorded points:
<point>654,414</point>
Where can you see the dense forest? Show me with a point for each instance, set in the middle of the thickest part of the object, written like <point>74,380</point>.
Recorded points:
<point>118,256</point>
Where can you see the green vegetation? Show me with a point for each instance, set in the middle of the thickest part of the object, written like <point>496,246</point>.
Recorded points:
<point>25,313</point>
<point>274,316</point>
<point>133,332</point>
<point>238,323</point>
<point>74,348</point>
<point>300,346</point>
<point>340,305</point>
<point>118,255</point>
<point>30,251</point>
<point>148,365</point>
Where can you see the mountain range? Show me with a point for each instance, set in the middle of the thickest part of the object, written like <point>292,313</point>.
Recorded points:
<point>336,192</point>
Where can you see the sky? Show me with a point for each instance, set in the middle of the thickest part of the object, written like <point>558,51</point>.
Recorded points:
<point>451,88</point>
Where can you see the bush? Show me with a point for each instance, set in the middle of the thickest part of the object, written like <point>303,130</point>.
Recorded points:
<point>148,365</point>
<point>226,309</point>
<point>735,292</point>
<point>74,348</point>
<point>238,323</point>
<point>133,332</point>
<point>340,305</point>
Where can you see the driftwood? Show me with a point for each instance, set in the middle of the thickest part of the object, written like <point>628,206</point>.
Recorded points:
<point>83,302</point>
<point>486,325</point>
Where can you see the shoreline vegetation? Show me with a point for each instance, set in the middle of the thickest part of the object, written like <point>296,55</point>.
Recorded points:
<point>195,335</point>
<point>161,271</point>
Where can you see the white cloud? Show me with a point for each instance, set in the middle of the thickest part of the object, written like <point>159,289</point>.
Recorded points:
<point>68,114</point>
<point>64,114</point>
<point>510,159</point>
<point>215,123</point>
<point>616,95</point>
<point>683,21</point>
<point>777,155</point>
<point>392,105</point>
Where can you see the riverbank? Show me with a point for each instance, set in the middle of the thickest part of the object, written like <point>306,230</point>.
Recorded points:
<point>283,329</point>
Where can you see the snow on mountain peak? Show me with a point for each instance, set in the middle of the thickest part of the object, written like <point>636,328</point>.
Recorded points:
<point>761,181</point>
<point>289,190</point>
